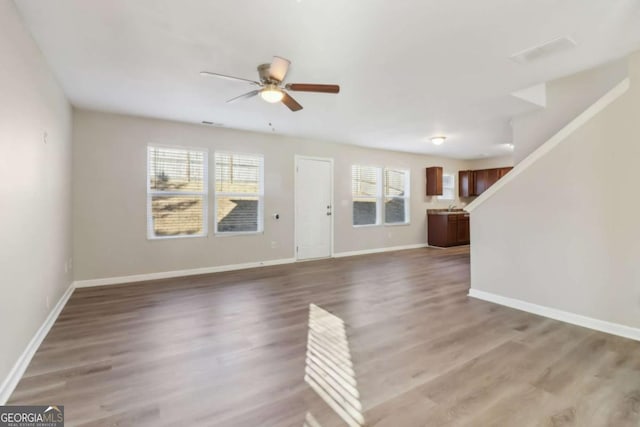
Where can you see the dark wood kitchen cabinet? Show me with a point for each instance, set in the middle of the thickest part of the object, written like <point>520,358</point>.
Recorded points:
<point>503,171</point>
<point>481,182</point>
<point>492,176</point>
<point>475,182</point>
<point>434,181</point>
<point>466,183</point>
<point>446,230</point>
<point>463,230</point>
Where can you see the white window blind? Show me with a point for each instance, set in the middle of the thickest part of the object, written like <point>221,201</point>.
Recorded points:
<point>448,187</point>
<point>239,193</point>
<point>396,196</point>
<point>176,192</point>
<point>366,192</point>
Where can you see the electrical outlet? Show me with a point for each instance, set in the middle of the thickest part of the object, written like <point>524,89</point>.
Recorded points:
<point>274,244</point>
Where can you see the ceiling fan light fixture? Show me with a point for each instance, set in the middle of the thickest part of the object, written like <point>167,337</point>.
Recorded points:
<point>438,140</point>
<point>271,94</point>
<point>278,68</point>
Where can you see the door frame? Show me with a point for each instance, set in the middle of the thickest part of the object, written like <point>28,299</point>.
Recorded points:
<point>297,158</point>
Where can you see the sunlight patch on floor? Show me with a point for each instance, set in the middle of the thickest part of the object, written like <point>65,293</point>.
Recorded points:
<point>329,370</point>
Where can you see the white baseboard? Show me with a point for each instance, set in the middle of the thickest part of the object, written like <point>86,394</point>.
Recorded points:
<point>11,381</point>
<point>564,316</point>
<point>378,250</point>
<point>118,280</point>
<point>177,273</point>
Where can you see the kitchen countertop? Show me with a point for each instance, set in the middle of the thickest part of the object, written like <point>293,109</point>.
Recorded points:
<point>447,212</point>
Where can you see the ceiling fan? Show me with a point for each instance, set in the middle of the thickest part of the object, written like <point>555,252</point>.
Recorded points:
<point>270,86</point>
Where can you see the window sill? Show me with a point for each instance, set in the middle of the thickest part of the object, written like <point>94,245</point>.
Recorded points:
<point>397,224</point>
<point>181,236</point>
<point>237,233</point>
<point>366,225</point>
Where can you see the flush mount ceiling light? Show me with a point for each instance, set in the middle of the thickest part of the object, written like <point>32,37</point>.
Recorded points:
<point>438,140</point>
<point>272,94</point>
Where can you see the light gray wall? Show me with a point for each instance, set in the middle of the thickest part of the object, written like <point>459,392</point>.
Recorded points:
<point>492,162</point>
<point>565,232</point>
<point>35,188</point>
<point>566,98</point>
<point>110,196</point>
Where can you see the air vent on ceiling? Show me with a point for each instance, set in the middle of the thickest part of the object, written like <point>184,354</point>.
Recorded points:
<point>545,49</point>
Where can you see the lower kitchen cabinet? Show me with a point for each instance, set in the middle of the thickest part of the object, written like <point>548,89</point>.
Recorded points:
<point>446,230</point>
<point>463,230</point>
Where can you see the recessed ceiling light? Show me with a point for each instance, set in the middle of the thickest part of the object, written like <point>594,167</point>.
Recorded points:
<point>510,146</point>
<point>438,140</point>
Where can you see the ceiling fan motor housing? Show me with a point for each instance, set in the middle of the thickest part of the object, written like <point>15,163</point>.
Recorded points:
<point>263,72</point>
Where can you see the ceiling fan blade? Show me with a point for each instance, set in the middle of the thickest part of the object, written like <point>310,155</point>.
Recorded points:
<point>278,68</point>
<point>291,103</point>
<point>245,96</point>
<point>223,76</point>
<point>310,87</point>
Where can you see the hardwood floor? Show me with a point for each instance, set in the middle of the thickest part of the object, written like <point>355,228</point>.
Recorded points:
<point>394,335</point>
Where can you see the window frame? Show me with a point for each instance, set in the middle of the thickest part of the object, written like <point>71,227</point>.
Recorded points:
<point>378,196</point>
<point>453,188</point>
<point>406,197</point>
<point>204,193</point>
<point>259,195</point>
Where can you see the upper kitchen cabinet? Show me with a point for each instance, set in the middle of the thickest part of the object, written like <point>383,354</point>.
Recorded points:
<point>492,177</point>
<point>503,171</point>
<point>434,181</point>
<point>481,181</point>
<point>466,183</point>
<point>474,183</point>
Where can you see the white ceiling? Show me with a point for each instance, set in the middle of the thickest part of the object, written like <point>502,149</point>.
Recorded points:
<point>408,69</point>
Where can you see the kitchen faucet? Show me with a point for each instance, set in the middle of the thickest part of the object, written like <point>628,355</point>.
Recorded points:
<point>451,207</point>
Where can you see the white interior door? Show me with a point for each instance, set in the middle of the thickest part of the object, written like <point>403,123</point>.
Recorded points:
<point>314,207</point>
